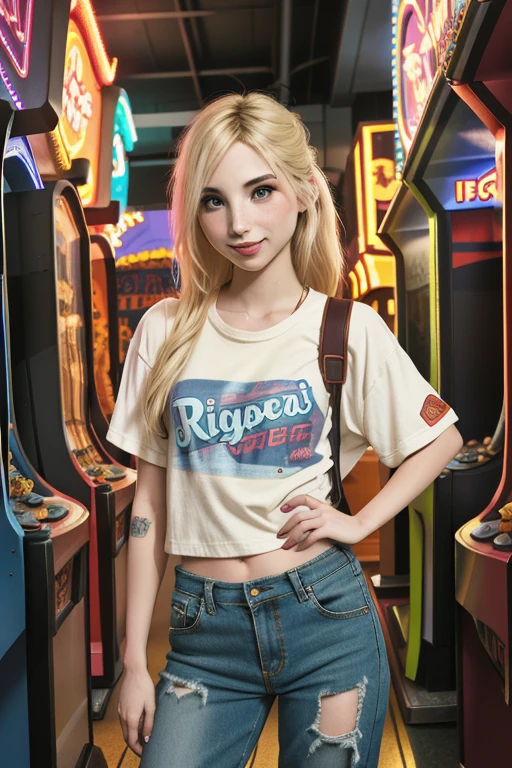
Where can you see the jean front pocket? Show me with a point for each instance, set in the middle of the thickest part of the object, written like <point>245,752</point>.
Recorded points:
<point>186,610</point>
<point>338,595</point>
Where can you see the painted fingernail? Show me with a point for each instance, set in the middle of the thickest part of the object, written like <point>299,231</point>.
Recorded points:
<point>289,544</point>
<point>146,739</point>
<point>286,508</point>
<point>280,535</point>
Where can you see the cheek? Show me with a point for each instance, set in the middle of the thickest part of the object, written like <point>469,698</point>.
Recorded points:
<point>213,226</point>
<point>280,212</point>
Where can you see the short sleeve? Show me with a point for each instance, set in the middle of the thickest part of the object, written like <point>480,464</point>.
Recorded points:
<point>127,428</point>
<point>386,402</point>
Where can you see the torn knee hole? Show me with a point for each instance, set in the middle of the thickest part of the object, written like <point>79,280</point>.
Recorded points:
<point>338,713</point>
<point>337,720</point>
<point>180,690</point>
<point>181,687</point>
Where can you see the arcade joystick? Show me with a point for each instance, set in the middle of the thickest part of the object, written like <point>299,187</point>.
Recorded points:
<point>486,531</point>
<point>504,539</point>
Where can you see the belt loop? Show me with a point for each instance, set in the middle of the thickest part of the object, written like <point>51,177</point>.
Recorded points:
<point>297,585</point>
<point>208,596</point>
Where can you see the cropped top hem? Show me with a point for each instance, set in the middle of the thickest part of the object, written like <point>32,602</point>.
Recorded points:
<point>223,548</point>
<point>136,448</point>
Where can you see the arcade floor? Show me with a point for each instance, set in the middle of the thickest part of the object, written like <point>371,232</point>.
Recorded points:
<point>403,746</point>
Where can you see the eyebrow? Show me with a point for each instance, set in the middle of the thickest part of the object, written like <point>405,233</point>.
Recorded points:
<point>247,183</point>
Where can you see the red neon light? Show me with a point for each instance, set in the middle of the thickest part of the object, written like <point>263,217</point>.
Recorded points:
<point>16,32</point>
<point>83,15</point>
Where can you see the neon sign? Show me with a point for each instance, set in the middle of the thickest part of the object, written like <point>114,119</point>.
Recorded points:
<point>77,99</point>
<point>424,36</point>
<point>124,139</point>
<point>482,189</point>
<point>16,32</point>
<point>375,182</point>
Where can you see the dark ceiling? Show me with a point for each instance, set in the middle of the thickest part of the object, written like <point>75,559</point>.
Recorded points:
<point>176,55</point>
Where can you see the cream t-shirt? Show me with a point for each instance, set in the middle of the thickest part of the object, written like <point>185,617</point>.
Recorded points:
<point>250,418</point>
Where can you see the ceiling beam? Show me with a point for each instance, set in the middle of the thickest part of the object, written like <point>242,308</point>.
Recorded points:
<point>351,36</point>
<point>310,113</point>
<point>163,119</point>
<point>188,53</point>
<point>155,15</point>
<point>200,72</point>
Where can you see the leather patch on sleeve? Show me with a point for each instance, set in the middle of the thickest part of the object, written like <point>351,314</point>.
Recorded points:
<point>433,409</point>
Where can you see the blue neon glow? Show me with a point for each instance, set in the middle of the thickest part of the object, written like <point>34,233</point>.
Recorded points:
<point>19,151</point>
<point>124,139</point>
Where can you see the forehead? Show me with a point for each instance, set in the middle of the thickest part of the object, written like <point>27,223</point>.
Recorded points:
<point>239,164</point>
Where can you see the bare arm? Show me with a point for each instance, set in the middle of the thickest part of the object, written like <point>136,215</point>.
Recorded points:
<point>415,474</point>
<point>147,559</point>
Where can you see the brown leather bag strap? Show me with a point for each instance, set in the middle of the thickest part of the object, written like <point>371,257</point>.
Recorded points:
<point>333,359</point>
<point>334,340</point>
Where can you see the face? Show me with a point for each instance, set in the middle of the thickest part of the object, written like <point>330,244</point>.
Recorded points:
<point>248,212</point>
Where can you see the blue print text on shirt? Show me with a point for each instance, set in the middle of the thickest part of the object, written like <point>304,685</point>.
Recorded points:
<point>246,429</point>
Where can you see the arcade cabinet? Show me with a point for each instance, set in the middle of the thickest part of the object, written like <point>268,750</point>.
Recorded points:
<point>53,380</point>
<point>449,262</point>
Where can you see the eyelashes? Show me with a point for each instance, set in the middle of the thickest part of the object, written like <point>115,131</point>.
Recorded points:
<point>205,201</point>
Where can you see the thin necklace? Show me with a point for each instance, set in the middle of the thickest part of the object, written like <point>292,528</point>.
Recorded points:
<point>305,291</point>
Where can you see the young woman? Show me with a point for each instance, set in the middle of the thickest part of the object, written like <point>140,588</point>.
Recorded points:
<point>223,402</point>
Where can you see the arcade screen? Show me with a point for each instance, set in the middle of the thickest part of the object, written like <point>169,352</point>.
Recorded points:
<point>102,361</point>
<point>72,350</point>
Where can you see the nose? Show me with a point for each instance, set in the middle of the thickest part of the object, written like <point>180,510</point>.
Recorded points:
<point>239,223</point>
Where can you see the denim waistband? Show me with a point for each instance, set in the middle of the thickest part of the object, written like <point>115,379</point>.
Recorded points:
<point>267,587</point>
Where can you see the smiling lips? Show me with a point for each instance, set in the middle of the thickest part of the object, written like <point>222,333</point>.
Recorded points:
<point>247,249</point>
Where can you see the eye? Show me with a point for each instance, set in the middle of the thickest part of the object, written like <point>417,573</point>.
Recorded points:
<point>210,203</point>
<point>267,191</point>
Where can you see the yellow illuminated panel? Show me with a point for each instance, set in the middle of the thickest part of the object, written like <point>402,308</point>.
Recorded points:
<point>363,282</point>
<point>380,185</point>
<point>380,269</point>
<point>359,197</point>
<point>391,307</point>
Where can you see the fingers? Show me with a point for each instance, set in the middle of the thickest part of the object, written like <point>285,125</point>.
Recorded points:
<point>299,532</point>
<point>301,501</point>
<point>132,737</point>
<point>148,725</point>
<point>310,539</point>
<point>298,517</point>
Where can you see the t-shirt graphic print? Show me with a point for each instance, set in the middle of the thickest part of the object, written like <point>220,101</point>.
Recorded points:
<point>249,420</point>
<point>263,429</point>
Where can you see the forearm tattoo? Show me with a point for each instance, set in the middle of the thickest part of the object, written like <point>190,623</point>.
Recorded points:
<point>139,527</point>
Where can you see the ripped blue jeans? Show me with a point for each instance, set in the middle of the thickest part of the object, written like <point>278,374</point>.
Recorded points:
<point>303,635</point>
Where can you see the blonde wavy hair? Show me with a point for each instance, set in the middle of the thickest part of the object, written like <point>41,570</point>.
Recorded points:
<point>279,136</point>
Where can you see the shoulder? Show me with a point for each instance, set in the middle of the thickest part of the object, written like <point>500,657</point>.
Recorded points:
<point>154,327</point>
<point>368,329</point>
<point>371,346</point>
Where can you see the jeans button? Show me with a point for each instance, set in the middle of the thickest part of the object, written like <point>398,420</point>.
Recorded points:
<point>255,592</point>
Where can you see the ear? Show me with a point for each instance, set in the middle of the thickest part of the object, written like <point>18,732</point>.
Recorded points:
<point>316,193</point>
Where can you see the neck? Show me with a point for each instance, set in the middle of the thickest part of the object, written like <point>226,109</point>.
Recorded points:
<point>263,293</point>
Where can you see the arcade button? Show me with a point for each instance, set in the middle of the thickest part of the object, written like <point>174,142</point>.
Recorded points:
<point>27,521</point>
<point>34,500</point>
<point>486,531</point>
<point>94,471</point>
<point>56,512</point>
<point>503,542</point>
<point>111,472</point>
